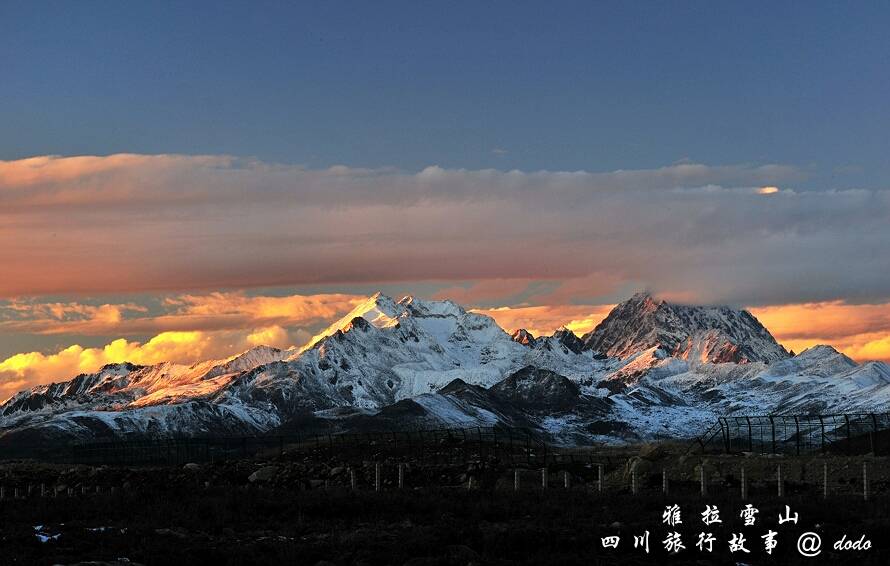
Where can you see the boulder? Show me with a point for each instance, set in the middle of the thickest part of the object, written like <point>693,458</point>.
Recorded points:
<point>264,474</point>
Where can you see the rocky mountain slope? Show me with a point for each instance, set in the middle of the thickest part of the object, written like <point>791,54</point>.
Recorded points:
<point>703,334</point>
<point>651,369</point>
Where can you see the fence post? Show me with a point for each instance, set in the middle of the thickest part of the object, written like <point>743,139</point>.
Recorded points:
<point>42,490</point>
<point>401,476</point>
<point>516,479</point>
<point>704,481</point>
<point>744,484</point>
<point>566,479</point>
<point>544,478</point>
<point>825,480</point>
<point>352,478</point>
<point>633,482</point>
<point>865,481</point>
<point>772,426</point>
<point>779,483</point>
<point>874,433</point>
<point>528,448</point>
<point>797,434</point>
<point>599,479</point>
<point>376,476</point>
<point>664,481</point>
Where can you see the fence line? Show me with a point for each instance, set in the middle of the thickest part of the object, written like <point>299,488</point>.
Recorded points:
<point>850,433</point>
<point>748,479</point>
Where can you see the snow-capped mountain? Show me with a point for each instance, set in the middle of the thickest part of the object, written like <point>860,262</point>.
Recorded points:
<point>651,369</point>
<point>703,334</point>
<point>385,351</point>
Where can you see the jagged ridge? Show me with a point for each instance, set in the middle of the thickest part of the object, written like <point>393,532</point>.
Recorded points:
<point>704,334</point>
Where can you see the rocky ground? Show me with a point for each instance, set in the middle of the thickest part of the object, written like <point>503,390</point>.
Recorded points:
<point>298,509</point>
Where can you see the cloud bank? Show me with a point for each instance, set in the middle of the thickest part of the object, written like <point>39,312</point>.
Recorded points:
<point>126,223</point>
<point>191,328</point>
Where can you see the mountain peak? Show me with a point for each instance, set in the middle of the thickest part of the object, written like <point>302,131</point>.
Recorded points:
<point>822,353</point>
<point>422,307</point>
<point>695,333</point>
<point>643,297</point>
<point>820,360</point>
<point>523,337</point>
<point>568,339</point>
<point>379,310</point>
<point>820,350</point>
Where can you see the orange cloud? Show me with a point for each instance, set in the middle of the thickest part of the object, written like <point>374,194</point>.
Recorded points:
<point>860,331</point>
<point>52,318</point>
<point>545,320</point>
<point>200,327</point>
<point>168,223</point>
<point>32,368</point>
<point>214,311</point>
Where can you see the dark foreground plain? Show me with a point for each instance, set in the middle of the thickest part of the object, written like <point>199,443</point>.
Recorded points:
<point>177,516</point>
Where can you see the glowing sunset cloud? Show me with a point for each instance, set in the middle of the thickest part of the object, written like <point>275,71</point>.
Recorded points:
<point>208,222</point>
<point>194,328</point>
<point>767,190</point>
<point>860,331</point>
<point>545,320</point>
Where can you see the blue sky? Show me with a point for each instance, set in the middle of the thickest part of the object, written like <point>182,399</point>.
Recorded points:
<point>565,86</point>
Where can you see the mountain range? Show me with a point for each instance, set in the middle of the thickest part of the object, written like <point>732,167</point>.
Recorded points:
<point>650,370</point>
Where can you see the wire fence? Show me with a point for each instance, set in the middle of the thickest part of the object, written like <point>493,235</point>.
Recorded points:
<point>853,433</point>
<point>841,434</point>
<point>754,479</point>
<point>761,478</point>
